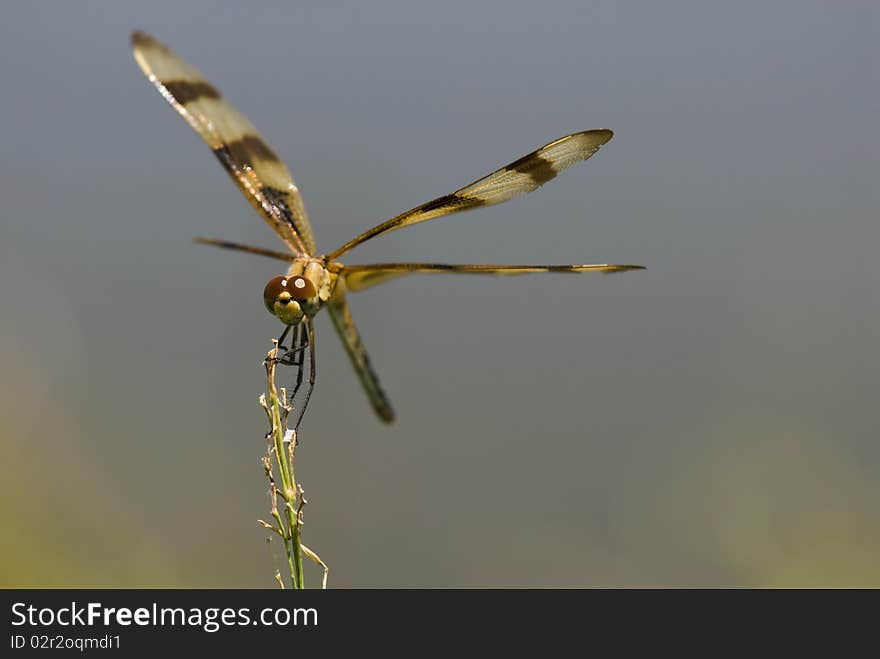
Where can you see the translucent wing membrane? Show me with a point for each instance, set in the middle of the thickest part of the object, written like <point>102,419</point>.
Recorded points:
<point>519,177</point>
<point>253,165</point>
<point>360,277</point>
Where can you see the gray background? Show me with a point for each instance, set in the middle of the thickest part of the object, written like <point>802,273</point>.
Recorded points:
<point>711,421</point>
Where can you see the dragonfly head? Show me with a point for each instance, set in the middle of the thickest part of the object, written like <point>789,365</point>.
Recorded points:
<point>291,299</point>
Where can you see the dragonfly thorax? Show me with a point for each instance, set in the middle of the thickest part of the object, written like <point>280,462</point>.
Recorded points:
<point>300,293</point>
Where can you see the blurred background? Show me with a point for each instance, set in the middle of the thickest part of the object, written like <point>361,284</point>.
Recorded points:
<point>711,421</point>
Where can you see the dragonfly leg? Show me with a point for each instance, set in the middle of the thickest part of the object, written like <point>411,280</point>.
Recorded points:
<point>284,335</point>
<point>311,344</point>
<point>300,364</point>
<point>290,355</point>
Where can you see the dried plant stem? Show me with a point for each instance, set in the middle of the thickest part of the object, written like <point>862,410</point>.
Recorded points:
<point>279,460</point>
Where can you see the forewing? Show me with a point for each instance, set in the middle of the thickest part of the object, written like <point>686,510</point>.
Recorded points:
<point>519,177</point>
<point>360,277</point>
<point>253,165</point>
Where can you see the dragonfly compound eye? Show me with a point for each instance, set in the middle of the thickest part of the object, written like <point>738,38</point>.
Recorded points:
<point>284,290</point>
<point>271,292</point>
<point>301,288</point>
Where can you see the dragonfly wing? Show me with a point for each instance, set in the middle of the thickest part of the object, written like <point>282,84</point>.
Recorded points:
<point>360,277</point>
<point>337,306</point>
<point>519,177</point>
<point>257,170</point>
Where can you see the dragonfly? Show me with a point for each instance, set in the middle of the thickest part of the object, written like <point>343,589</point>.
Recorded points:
<point>314,281</point>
